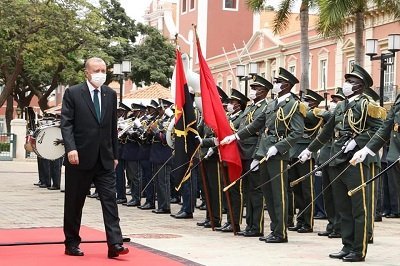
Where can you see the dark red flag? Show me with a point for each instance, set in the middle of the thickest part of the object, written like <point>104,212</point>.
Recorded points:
<point>215,117</point>
<point>186,144</point>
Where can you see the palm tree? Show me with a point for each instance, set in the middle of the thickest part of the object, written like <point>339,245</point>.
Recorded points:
<point>281,23</point>
<point>334,15</point>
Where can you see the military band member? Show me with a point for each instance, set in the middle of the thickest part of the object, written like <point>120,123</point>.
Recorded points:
<point>302,195</point>
<point>354,122</point>
<point>254,197</point>
<point>283,126</point>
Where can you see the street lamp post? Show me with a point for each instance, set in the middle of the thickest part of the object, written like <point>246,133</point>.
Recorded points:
<point>122,70</point>
<point>241,73</point>
<point>371,50</point>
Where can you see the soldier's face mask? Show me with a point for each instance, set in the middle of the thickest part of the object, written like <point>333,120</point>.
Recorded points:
<point>347,89</point>
<point>332,106</point>
<point>277,88</point>
<point>252,94</point>
<point>230,108</point>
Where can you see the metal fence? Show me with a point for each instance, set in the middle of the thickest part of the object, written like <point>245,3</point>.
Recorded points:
<point>8,146</point>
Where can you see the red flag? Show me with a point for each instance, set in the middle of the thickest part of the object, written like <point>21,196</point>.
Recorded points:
<point>186,144</point>
<point>215,117</point>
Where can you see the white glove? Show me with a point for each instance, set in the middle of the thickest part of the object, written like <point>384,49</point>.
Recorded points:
<point>209,153</point>
<point>228,139</point>
<point>304,155</point>
<point>216,141</point>
<point>137,123</point>
<point>168,112</point>
<point>360,155</point>
<point>350,146</point>
<point>254,164</point>
<point>199,139</point>
<point>272,151</point>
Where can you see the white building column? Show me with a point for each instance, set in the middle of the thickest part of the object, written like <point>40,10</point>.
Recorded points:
<point>18,127</point>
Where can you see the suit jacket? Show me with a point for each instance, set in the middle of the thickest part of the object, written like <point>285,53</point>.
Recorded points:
<point>82,131</point>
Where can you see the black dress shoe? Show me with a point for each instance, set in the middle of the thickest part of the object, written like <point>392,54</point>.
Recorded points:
<point>241,233</point>
<point>324,233</point>
<point>116,250</point>
<point>183,215</point>
<point>129,192</point>
<point>37,184</point>
<point>264,238</point>
<point>203,203</point>
<point>371,241</point>
<point>94,195</point>
<point>208,225</point>
<point>378,219</point>
<point>353,257</point>
<point>202,223</point>
<point>304,229</point>
<point>295,228</point>
<point>147,206</point>
<point>230,228</point>
<point>161,211</point>
<point>335,235</point>
<point>222,227</point>
<point>120,201</point>
<point>338,255</point>
<point>132,203</point>
<point>203,207</point>
<point>43,186</point>
<point>320,216</point>
<point>73,251</point>
<point>392,215</point>
<point>175,200</point>
<point>276,239</point>
<point>53,188</point>
<point>252,233</point>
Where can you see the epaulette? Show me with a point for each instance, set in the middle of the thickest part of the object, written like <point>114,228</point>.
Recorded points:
<point>303,109</point>
<point>376,111</point>
<point>318,112</point>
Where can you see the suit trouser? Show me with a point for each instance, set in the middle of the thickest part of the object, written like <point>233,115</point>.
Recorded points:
<point>77,184</point>
<point>275,194</point>
<point>134,174</point>
<point>353,210</point>
<point>303,193</point>
<point>163,185</point>
<point>213,183</point>
<point>255,202</point>
<point>334,221</point>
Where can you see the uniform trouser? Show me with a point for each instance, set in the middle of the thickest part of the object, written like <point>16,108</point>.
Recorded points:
<point>134,174</point>
<point>120,179</point>
<point>353,210</point>
<point>163,185</point>
<point>303,193</point>
<point>147,175</point>
<point>213,182</point>
<point>55,171</point>
<point>371,192</point>
<point>319,202</point>
<point>44,171</point>
<point>275,194</point>
<point>188,192</point>
<point>332,213</point>
<point>236,200</point>
<point>393,182</point>
<point>255,201</point>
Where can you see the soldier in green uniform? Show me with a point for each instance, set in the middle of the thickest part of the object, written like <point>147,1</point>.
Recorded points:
<point>237,104</point>
<point>303,193</point>
<point>354,122</point>
<point>283,126</point>
<point>254,197</point>
<point>333,227</point>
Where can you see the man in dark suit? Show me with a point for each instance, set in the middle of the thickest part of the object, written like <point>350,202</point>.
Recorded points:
<point>89,130</point>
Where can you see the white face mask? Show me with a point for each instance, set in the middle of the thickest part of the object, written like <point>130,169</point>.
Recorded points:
<point>98,79</point>
<point>230,108</point>
<point>332,106</point>
<point>252,94</point>
<point>276,88</point>
<point>347,89</point>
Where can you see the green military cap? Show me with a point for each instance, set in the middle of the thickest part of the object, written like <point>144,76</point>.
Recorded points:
<point>287,76</point>
<point>362,74</point>
<point>153,104</point>
<point>339,93</point>
<point>224,97</point>
<point>138,107</point>
<point>259,81</point>
<point>237,95</point>
<point>165,103</point>
<point>313,96</point>
<point>371,93</point>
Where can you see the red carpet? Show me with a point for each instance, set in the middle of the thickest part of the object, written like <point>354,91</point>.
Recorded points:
<point>95,254</point>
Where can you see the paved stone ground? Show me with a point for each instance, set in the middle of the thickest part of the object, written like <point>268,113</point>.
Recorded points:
<point>23,205</point>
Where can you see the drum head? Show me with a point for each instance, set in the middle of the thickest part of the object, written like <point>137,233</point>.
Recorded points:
<point>44,145</point>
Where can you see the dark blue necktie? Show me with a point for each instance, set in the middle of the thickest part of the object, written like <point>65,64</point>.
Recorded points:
<point>96,103</point>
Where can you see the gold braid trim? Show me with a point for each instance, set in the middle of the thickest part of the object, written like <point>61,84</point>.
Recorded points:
<point>318,112</point>
<point>376,111</point>
<point>359,125</point>
<point>280,117</point>
<point>303,109</point>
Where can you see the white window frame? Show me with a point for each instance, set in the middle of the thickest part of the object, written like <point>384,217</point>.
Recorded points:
<point>230,9</point>
<point>194,5</point>
<point>186,6</point>
<point>323,73</point>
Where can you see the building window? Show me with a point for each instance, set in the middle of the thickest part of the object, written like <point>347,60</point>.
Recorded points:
<point>351,63</point>
<point>184,6</point>
<point>323,67</point>
<point>231,4</point>
<point>389,91</point>
<point>192,4</point>
<point>292,70</point>
<point>229,82</point>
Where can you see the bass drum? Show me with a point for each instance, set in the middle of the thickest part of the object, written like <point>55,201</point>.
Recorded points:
<point>170,133</point>
<point>47,142</point>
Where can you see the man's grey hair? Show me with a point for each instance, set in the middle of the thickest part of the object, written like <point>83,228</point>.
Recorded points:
<point>93,59</point>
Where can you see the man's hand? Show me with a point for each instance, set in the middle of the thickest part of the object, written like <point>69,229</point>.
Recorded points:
<point>216,142</point>
<point>350,146</point>
<point>254,165</point>
<point>199,139</point>
<point>209,153</point>
<point>304,155</point>
<point>228,139</point>
<point>360,155</point>
<point>73,157</point>
<point>115,164</point>
<point>272,151</point>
